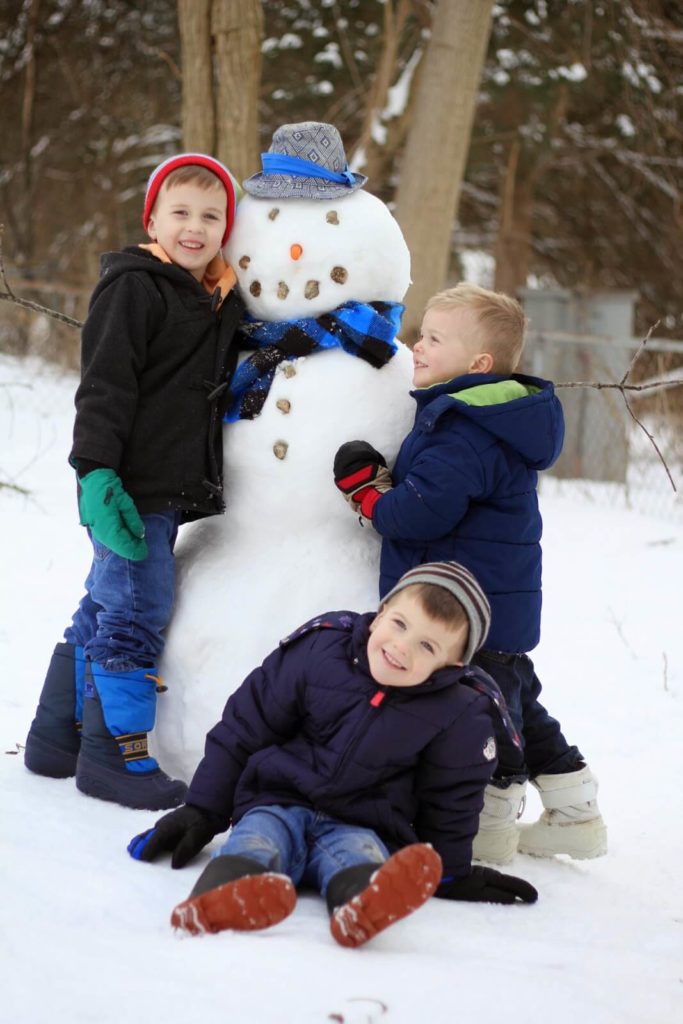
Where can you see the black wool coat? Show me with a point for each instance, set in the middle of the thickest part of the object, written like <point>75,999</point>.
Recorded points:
<point>155,363</point>
<point>311,728</point>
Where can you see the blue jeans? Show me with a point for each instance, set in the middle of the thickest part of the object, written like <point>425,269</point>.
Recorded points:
<point>121,620</point>
<point>307,846</point>
<point>545,750</point>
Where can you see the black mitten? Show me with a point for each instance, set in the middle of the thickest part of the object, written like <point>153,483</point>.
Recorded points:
<point>485,885</point>
<point>183,833</point>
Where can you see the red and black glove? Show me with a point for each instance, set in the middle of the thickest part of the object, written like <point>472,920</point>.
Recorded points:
<point>361,474</point>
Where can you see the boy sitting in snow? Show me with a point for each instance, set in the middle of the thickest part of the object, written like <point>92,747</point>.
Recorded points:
<point>156,358</point>
<point>464,487</point>
<point>360,735</point>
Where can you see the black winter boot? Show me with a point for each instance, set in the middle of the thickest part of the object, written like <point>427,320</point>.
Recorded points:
<point>373,896</point>
<point>235,893</point>
<point>54,738</point>
<point>114,763</point>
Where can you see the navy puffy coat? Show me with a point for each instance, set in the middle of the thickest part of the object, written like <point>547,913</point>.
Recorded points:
<point>465,490</point>
<point>310,727</point>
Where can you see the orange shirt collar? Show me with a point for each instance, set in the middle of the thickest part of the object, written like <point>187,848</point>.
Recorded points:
<point>218,273</point>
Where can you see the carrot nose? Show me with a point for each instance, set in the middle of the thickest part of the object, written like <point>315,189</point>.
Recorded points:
<point>295,251</point>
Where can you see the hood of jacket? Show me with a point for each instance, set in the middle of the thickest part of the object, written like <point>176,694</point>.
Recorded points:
<point>113,264</point>
<point>520,411</point>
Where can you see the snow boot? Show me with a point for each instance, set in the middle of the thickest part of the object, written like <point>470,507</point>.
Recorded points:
<point>235,893</point>
<point>498,835</point>
<point>365,899</point>
<point>54,738</point>
<point>571,822</point>
<point>119,709</point>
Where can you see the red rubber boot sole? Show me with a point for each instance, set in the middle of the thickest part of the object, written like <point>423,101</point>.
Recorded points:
<point>398,887</point>
<point>247,904</point>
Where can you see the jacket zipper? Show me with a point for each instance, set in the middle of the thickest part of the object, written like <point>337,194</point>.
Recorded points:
<point>374,702</point>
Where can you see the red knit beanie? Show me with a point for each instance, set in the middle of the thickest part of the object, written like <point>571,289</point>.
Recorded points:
<point>160,173</point>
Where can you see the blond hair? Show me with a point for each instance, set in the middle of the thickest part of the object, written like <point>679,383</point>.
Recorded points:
<point>500,317</point>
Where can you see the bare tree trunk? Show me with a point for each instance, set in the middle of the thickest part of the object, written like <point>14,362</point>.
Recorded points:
<point>237,30</point>
<point>198,112</point>
<point>395,17</point>
<point>437,146</point>
<point>513,242</point>
<point>25,234</point>
<point>525,167</point>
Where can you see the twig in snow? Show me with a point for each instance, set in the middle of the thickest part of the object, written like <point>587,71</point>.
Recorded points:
<point>617,626</point>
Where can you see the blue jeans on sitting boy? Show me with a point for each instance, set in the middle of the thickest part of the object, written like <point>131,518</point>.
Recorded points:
<point>306,845</point>
<point>545,750</point>
<point>121,620</point>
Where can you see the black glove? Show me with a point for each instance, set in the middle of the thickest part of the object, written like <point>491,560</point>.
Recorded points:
<point>183,833</point>
<point>361,474</point>
<point>484,885</point>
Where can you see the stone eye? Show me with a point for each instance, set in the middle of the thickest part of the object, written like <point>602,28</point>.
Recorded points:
<point>245,261</point>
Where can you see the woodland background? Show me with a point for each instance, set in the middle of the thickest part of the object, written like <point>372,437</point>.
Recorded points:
<point>546,135</point>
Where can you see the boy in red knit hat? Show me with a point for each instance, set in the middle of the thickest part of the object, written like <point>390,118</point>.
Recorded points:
<point>156,360</point>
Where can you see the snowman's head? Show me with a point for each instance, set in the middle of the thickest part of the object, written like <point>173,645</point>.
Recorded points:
<point>303,257</point>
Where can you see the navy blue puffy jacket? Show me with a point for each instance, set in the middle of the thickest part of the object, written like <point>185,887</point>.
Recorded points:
<point>465,489</point>
<point>310,727</point>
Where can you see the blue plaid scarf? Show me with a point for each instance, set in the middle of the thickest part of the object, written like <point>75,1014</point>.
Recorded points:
<point>365,330</point>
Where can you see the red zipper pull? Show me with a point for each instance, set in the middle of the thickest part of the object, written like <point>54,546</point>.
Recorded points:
<point>378,698</point>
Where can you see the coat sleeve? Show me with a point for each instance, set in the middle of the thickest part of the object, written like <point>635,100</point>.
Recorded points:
<point>266,710</point>
<point>454,770</point>
<point>123,316</point>
<point>435,493</point>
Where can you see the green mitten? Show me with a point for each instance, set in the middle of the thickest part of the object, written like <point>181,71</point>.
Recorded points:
<point>111,514</point>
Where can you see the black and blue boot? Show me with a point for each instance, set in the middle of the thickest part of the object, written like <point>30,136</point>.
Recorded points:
<point>119,709</point>
<point>54,739</point>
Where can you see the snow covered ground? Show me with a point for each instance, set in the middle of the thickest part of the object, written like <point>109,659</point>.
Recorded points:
<point>85,933</point>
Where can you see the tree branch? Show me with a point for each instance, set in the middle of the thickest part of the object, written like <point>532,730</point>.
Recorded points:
<point>37,308</point>
<point>9,296</point>
<point>623,387</point>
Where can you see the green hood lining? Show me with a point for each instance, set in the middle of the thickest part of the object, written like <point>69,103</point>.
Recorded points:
<point>497,393</point>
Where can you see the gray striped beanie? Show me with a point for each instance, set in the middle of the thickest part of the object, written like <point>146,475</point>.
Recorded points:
<point>464,588</point>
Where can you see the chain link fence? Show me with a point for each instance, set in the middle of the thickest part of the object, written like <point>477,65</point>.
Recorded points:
<point>605,449</point>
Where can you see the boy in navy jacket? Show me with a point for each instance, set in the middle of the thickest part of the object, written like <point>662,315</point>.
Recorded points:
<point>464,487</point>
<point>353,760</point>
<point>157,353</point>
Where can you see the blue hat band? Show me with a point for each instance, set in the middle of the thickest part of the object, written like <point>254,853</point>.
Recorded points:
<point>279,163</point>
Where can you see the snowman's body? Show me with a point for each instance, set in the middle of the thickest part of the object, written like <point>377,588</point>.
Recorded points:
<point>288,546</point>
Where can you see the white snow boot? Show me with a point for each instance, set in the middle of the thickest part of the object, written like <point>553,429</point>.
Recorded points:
<point>571,822</point>
<point>498,835</point>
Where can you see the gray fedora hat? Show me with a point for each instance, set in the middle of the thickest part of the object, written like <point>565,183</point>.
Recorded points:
<point>305,161</point>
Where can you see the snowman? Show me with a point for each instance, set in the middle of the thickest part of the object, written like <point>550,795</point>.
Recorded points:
<point>322,267</point>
